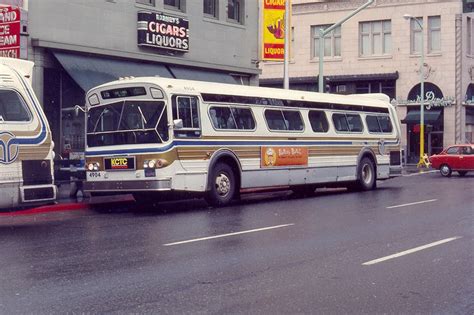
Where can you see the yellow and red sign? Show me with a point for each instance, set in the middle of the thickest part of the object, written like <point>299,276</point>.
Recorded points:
<point>273,25</point>
<point>284,156</point>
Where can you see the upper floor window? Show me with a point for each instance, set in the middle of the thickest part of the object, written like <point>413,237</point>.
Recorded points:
<point>332,41</point>
<point>469,33</point>
<point>415,36</point>
<point>149,2</point>
<point>12,107</point>
<point>375,38</point>
<point>235,10</point>
<point>434,34</point>
<point>174,4</point>
<point>211,7</point>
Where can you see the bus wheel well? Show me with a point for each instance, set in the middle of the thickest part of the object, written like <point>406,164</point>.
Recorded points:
<point>229,160</point>
<point>371,157</point>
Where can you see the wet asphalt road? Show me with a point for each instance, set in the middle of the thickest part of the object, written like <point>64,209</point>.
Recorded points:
<point>308,260</point>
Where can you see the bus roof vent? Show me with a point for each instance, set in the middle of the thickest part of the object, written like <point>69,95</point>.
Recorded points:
<point>6,78</point>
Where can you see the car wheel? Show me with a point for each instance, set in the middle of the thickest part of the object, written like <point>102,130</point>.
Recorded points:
<point>445,170</point>
<point>462,173</point>
<point>366,177</point>
<point>222,186</point>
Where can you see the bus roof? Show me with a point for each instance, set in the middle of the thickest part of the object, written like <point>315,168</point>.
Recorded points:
<point>178,86</point>
<point>24,67</point>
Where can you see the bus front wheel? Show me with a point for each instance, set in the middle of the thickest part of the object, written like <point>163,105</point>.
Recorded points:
<point>222,186</point>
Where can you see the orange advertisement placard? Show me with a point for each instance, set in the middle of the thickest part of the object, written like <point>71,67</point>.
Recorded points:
<point>273,29</point>
<point>283,156</point>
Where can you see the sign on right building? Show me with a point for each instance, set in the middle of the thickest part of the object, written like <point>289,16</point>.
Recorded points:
<point>380,51</point>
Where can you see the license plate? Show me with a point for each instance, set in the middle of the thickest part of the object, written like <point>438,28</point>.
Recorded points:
<point>119,163</point>
<point>93,174</point>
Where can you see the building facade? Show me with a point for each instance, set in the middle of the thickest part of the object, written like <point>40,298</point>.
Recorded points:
<point>379,51</point>
<point>78,44</point>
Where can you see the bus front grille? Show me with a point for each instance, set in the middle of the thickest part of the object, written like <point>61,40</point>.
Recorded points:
<point>38,193</point>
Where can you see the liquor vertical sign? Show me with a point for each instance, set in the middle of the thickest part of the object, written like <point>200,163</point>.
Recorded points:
<point>273,24</point>
<point>10,32</point>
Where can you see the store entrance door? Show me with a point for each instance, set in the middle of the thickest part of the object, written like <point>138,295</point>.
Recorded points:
<point>435,142</point>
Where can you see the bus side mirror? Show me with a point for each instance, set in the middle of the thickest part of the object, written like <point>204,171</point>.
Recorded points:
<point>78,108</point>
<point>178,123</point>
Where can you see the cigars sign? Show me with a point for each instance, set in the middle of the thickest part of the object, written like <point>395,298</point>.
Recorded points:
<point>10,32</point>
<point>164,31</point>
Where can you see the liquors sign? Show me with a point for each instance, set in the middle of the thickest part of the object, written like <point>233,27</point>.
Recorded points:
<point>163,31</point>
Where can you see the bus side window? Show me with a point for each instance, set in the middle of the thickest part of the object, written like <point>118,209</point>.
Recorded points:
<point>186,109</point>
<point>318,121</point>
<point>340,122</point>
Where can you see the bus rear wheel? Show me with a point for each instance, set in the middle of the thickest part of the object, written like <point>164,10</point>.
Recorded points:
<point>366,177</point>
<point>222,186</point>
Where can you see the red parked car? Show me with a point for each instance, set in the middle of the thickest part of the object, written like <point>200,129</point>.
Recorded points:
<point>458,158</point>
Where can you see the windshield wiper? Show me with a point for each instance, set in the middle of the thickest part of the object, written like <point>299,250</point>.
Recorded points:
<point>143,118</point>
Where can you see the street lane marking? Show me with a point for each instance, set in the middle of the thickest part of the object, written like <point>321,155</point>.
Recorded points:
<point>410,251</point>
<point>412,203</point>
<point>229,234</point>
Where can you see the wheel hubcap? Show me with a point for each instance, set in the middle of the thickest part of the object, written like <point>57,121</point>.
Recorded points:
<point>366,174</point>
<point>222,184</point>
<point>445,170</point>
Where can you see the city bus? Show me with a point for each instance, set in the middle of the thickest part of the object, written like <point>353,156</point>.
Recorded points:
<point>26,147</point>
<point>150,135</point>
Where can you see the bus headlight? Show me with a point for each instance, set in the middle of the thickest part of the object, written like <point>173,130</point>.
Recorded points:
<point>155,163</point>
<point>149,164</point>
<point>93,167</point>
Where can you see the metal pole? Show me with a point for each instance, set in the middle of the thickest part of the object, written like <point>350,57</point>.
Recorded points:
<point>321,58</point>
<point>286,79</point>
<point>323,33</point>
<point>421,163</point>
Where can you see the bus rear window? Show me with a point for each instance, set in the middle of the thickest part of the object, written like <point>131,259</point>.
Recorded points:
<point>123,92</point>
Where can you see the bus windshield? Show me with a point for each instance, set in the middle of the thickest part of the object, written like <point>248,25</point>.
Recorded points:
<point>127,122</point>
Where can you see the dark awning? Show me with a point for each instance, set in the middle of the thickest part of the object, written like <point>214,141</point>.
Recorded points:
<point>201,75</point>
<point>430,117</point>
<point>90,71</point>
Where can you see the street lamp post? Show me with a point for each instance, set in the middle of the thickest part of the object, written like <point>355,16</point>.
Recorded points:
<point>324,32</point>
<point>421,162</point>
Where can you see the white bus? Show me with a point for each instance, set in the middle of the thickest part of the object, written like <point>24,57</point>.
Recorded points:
<point>26,148</point>
<point>146,135</point>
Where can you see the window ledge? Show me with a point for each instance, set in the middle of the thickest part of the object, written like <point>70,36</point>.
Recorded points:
<point>326,59</point>
<point>235,23</point>
<point>210,17</point>
<point>375,57</point>
<point>426,55</point>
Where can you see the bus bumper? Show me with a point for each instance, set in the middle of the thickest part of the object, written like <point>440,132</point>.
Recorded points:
<point>128,186</point>
<point>395,171</point>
